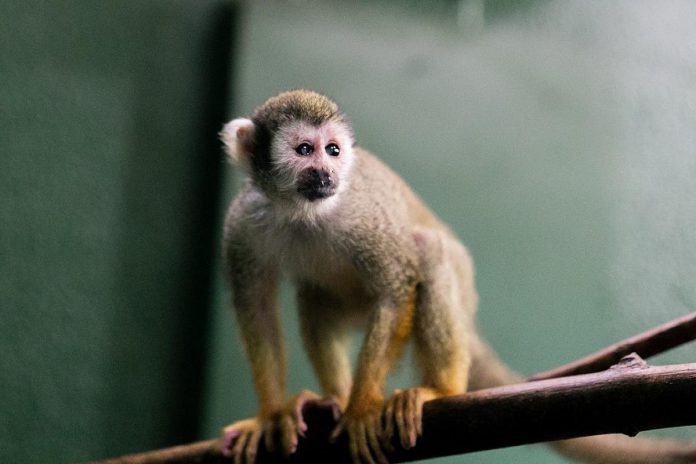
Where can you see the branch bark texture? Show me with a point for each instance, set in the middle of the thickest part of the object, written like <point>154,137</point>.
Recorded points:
<point>628,398</point>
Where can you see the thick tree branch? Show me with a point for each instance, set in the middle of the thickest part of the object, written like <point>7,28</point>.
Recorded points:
<point>627,398</point>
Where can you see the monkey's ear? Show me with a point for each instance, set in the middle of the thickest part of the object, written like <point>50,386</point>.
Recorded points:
<point>238,138</point>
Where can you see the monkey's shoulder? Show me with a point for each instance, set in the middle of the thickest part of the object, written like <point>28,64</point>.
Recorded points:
<point>384,197</point>
<point>373,174</point>
<point>245,210</point>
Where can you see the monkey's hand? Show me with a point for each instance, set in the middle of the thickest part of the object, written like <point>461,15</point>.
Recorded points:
<point>363,425</point>
<point>281,429</point>
<point>403,415</point>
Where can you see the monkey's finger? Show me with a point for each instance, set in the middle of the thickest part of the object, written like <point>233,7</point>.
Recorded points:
<point>388,433</point>
<point>229,438</point>
<point>411,416</point>
<point>337,431</point>
<point>300,426</point>
<point>332,403</point>
<point>252,446</point>
<point>354,444</point>
<point>299,401</point>
<point>353,447</point>
<point>400,419</point>
<point>239,447</point>
<point>270,437</point>
<point>419,415</point>
<point>372,431</point>
<point>288,434</point>
<point>361,447</point>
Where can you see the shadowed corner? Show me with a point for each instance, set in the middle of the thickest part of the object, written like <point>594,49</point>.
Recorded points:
<point>167,238</point>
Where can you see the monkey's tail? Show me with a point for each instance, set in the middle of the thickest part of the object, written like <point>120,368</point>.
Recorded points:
<point>487,370</point>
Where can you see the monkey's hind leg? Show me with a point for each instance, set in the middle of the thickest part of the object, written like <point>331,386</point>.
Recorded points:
<point>441,328</point>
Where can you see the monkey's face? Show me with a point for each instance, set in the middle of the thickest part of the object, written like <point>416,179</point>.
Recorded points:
<point>311,163</point>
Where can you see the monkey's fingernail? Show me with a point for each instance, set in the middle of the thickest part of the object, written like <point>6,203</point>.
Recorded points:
<point>301,432</point>
<point>335,411</point>
<point>228,439</point>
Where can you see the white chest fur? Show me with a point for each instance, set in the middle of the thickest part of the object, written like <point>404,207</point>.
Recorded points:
<point>309,255</point>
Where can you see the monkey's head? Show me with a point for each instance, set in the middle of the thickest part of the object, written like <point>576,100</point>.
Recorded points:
<point>297,146</point>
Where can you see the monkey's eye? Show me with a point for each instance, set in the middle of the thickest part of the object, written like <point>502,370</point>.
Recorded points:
<point>304,149</point>
<point>332,149</point>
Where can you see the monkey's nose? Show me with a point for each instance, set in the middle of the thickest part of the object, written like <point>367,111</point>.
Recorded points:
<point>315,184</point>
<point>320,178</point>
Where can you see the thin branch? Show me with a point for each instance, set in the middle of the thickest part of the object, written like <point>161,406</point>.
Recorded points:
<point>203,452</point>
<point>650,343</point>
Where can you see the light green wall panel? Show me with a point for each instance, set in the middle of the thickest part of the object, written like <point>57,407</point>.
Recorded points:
<point>554,138</point>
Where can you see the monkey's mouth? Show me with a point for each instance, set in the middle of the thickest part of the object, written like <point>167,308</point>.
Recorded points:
<point>315,184</point>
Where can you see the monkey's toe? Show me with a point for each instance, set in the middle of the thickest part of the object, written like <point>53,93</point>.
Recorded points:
<point>403,416</point>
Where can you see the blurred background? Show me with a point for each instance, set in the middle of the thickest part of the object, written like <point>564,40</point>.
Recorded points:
<point>556,137</point>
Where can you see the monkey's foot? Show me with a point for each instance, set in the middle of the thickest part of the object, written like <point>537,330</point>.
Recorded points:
<point>364,429</point>
<point>403,415</point>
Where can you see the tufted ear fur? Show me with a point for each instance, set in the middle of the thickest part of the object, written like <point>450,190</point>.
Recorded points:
<point>238,139</point>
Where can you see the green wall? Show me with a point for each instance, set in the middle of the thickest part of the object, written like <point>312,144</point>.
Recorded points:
<point>109,180</point>
<point>555,137</point>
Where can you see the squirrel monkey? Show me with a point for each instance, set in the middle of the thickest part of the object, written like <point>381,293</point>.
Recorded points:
<point>361,249</point>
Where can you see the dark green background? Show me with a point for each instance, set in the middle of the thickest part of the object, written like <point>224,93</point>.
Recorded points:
<point>555,137</point>
<point>109,183</point>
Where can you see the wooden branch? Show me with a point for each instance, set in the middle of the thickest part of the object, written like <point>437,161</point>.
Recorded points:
<point>203,452</point>
<point>628,398</point>
<point>646,344</point>
<point>625,399</point>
